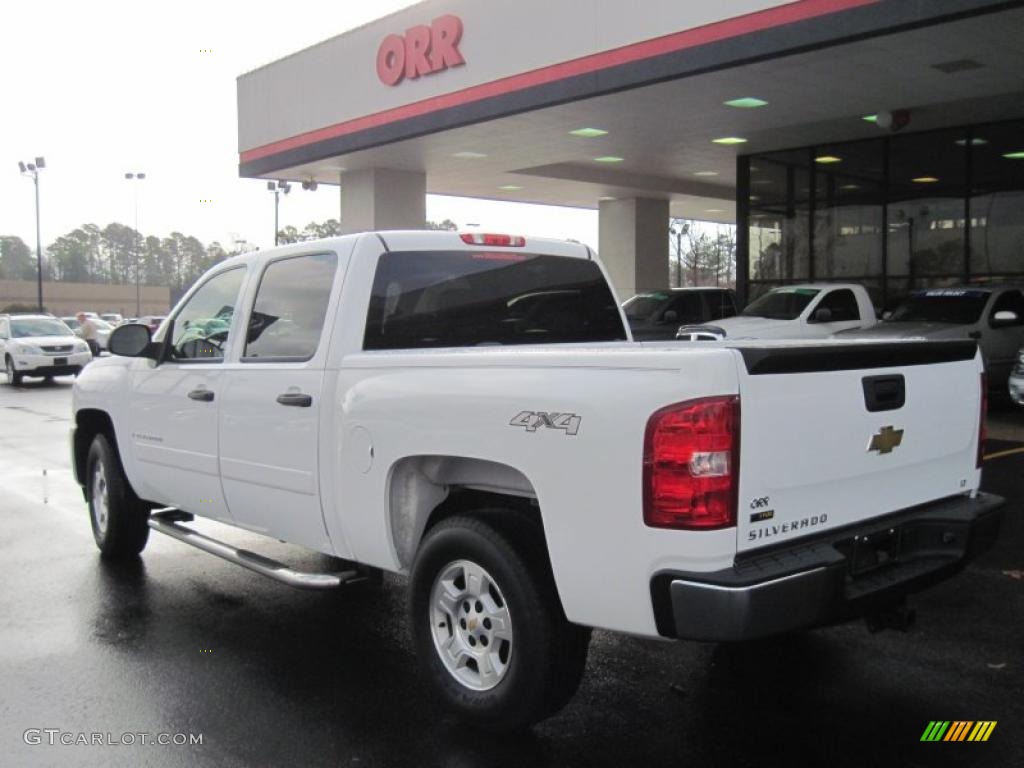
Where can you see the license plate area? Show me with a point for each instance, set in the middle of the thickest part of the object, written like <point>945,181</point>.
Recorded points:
<point>60,361</point>
<point>866,553</point>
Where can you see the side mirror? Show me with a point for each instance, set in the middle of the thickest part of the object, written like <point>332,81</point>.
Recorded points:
<point>1005,317</point>
<point>670,317</point>
<point>131,340</point>
<point>822,315</point>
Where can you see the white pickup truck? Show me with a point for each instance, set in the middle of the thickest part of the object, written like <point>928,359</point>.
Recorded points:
<point>808,311</point>
<point>470,411</point>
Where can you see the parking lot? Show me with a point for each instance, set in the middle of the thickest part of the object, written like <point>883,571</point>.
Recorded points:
<point>181,642</point>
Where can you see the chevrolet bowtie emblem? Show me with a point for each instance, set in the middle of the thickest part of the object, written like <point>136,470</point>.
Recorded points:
<point>886,439</point>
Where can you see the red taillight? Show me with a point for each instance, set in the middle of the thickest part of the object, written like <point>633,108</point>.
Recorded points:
<point>982,428</point>
<point>691,464</point>
<point>482,238</point>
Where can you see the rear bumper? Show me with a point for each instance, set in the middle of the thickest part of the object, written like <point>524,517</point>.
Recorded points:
<point>827,578</point>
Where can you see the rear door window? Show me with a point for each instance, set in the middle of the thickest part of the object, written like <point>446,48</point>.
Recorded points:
<point>466,299</point>
<point>287,318</point>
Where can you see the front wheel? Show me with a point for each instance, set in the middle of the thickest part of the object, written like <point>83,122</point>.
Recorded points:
<point>118,516</point>
<point>487,623</point>
<point>13,377</point>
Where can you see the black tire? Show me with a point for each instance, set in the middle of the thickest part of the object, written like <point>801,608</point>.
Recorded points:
<point>118,517</point>
<point>13,377</point>
<point>546,655</point>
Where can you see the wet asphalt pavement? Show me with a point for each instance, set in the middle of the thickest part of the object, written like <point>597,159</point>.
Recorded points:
<point>181,642</point>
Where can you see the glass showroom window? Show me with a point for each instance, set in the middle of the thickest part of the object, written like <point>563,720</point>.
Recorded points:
<point>997,201</point>
<point>927,187</point>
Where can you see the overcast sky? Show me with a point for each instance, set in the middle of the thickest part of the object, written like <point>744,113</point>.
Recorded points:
<point>104,87</point>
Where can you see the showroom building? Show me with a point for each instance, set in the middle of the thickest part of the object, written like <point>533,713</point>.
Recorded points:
<point>879,141</point>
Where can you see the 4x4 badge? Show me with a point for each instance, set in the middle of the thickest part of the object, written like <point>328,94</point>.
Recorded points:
<point>885,440</point>
<point>532,420</point>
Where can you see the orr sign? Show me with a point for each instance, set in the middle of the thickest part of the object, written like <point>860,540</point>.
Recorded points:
<point>422,50</point>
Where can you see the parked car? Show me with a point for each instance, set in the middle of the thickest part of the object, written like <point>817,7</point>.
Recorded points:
<point>1017,379</point>
<point>657,315</point>
<point>468,411</point>
<point>103,329</point>
<point>150,321</point>
<point>112,317</point>
<point>39,345</point>
<point>73,324</point>
<point>810,311</point>
<point>992,315</point>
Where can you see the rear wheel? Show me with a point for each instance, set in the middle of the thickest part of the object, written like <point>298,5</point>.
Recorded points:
<point>13,377</point>
<point>118,516</point>
<point>488,626</point>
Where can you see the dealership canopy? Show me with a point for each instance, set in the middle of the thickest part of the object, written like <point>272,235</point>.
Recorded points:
<point>648,109</point>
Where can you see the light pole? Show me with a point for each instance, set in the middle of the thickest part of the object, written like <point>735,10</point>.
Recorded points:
<point>33,169</point>
<point>137,177</point>
<point>277,188</point>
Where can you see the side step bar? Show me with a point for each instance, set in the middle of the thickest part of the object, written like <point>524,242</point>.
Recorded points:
<point>168,521</point>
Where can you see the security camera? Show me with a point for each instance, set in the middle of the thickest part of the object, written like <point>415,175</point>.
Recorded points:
<point>893,121</point>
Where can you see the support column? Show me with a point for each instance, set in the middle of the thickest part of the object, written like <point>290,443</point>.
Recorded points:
<point>378,198</point>
<point>633,243</point>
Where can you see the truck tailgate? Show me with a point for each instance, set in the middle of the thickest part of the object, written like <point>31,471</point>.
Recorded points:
<point>825,441</point>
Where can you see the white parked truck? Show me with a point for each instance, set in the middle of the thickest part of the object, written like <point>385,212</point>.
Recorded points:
<point>809,311</point>
<point>470,411</point>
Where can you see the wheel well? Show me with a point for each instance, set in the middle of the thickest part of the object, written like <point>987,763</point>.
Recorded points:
<point>424,490</point>
<point>90,422</point>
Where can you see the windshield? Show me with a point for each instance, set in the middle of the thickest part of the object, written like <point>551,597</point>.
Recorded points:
<point>71,323</point>
<point>959,307</point>
<point>781,304</point>
<point>643,305</point>
<point>37,326</point>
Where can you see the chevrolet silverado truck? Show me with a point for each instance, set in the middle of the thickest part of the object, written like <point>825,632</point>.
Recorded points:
<point>470,411</point>
<point>810,311</point>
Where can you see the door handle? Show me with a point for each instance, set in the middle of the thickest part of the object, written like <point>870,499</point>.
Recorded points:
<point>297,399</point>
<point>202,394</point>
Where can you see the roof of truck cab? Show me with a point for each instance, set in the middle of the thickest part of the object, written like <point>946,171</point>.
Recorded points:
<point>420,239</point>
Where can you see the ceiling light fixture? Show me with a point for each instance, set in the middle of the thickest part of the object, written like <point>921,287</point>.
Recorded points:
<point>747,102</point>
<point>729,140</point>
<point>509,187</point>
<point>925,180</point>
<point>469,155</point>
<point>828,159</point>
<point>975,142</point>
<point>714,210</point>
<point>870,118</point>
<point>608,159</point>
<point>705,173</point>
<point>1014,155</point>
<point>588,133</point>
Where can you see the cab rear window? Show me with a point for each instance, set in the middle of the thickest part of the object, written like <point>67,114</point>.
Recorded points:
<point>481,298</point>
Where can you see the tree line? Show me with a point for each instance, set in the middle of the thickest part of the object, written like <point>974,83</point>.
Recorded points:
<point>89,254</point>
